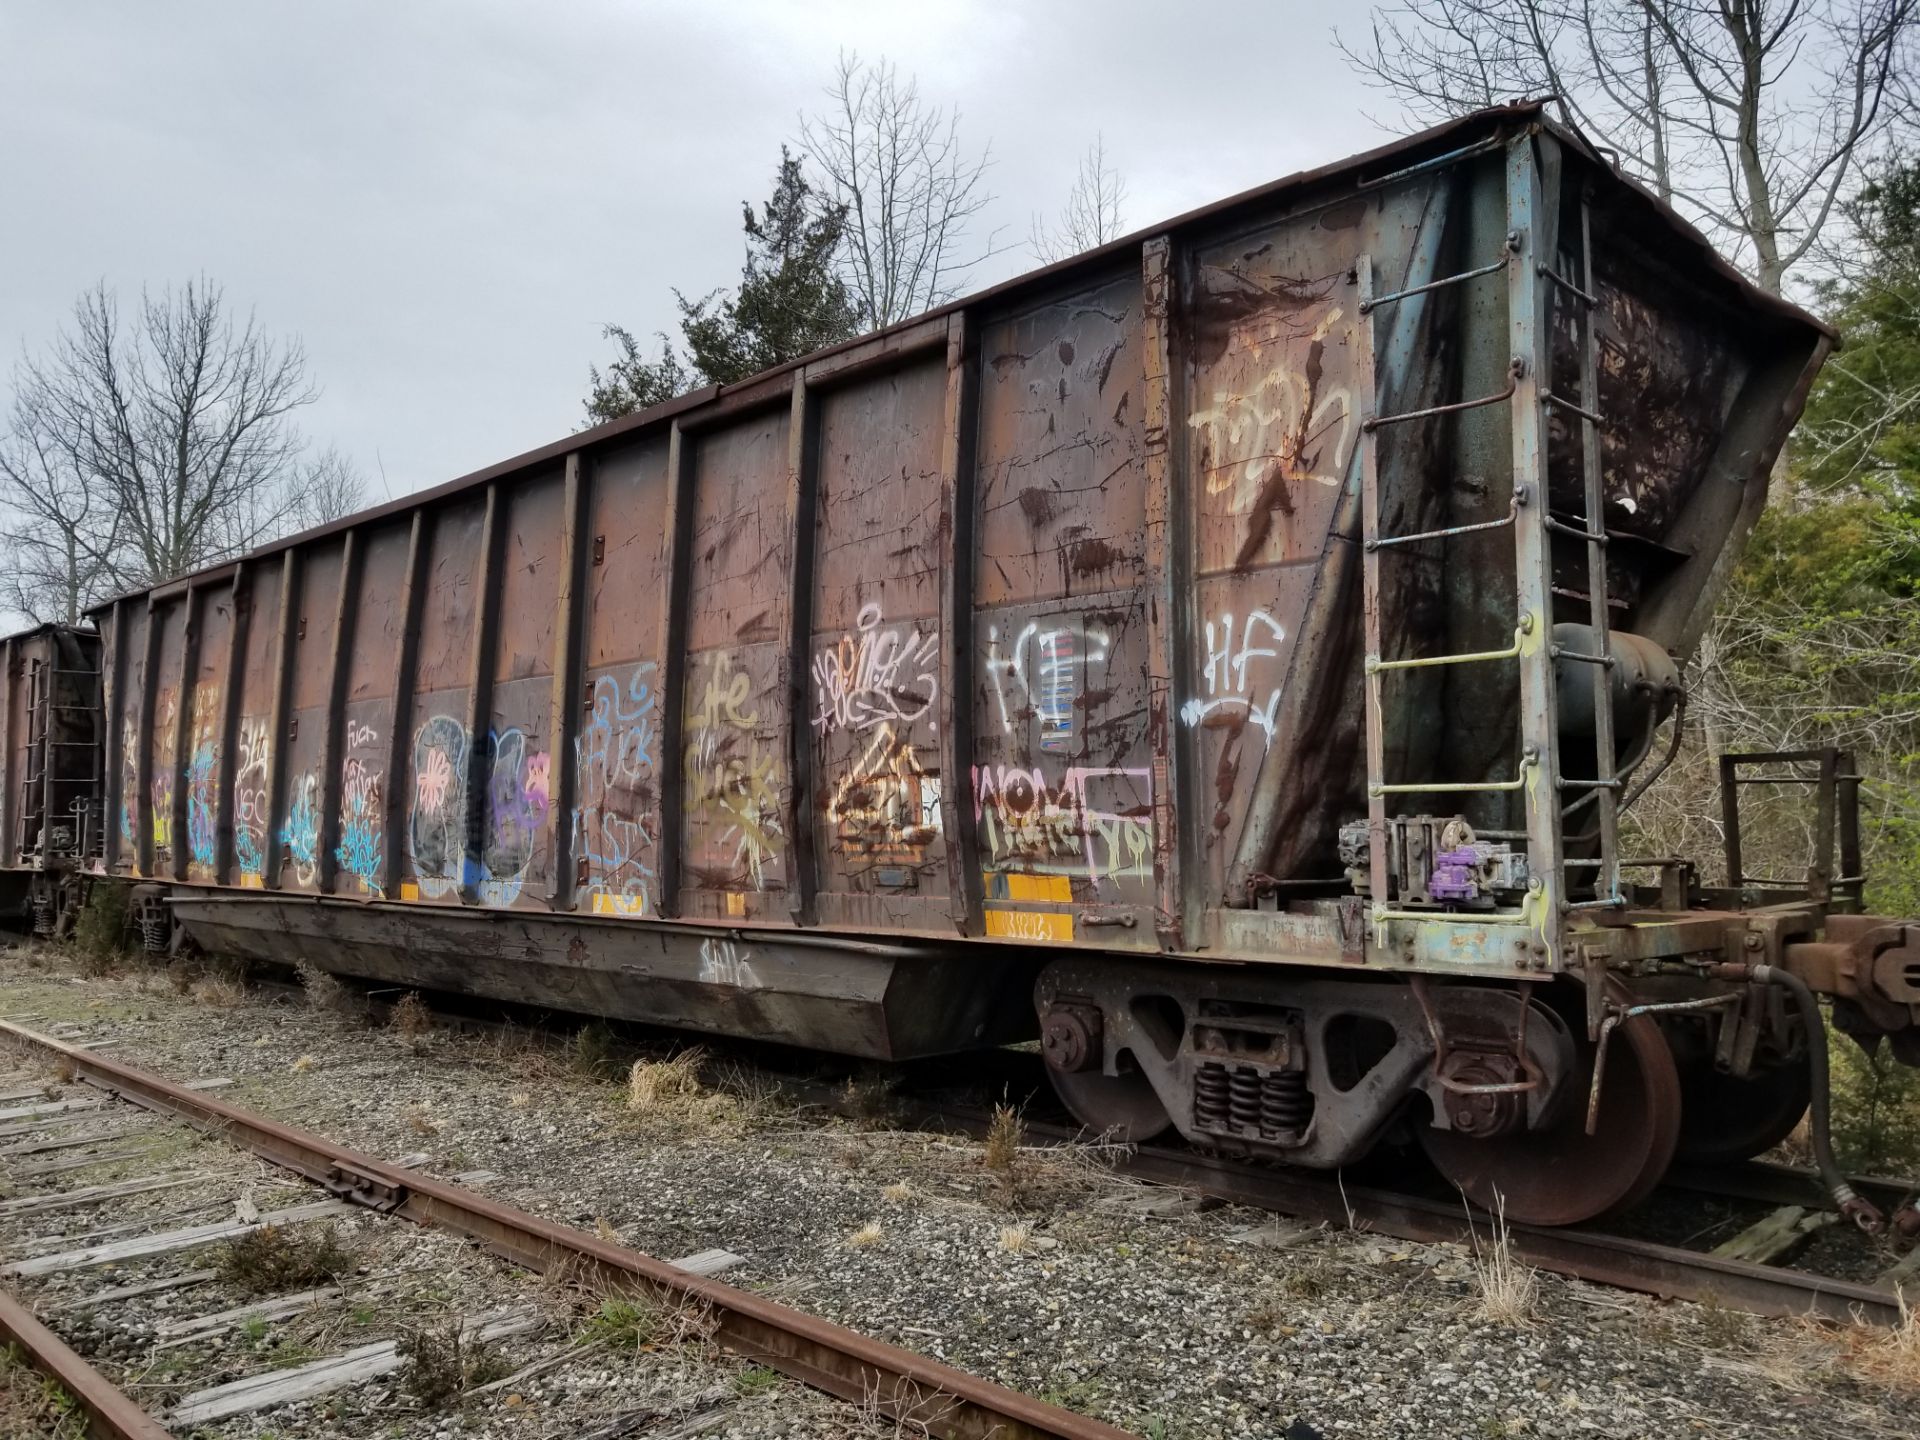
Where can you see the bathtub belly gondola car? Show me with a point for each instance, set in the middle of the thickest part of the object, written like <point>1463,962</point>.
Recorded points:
<point>1227,654</point>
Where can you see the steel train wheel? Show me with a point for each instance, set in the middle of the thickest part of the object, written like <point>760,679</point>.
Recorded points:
<point>1724,1119</point>
<point>1124,1108</point>
<point>1562,1175</point>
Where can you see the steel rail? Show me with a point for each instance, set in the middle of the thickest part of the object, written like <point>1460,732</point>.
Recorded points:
<point>110,1413</point>
<point>1619,1261</point>
<point>909,1388</point>
<point>1614,1260</point>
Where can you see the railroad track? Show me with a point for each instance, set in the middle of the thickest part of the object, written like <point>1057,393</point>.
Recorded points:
<point>1799,1205</point>
<point>49,1131</point>
<point>1768,1288</point>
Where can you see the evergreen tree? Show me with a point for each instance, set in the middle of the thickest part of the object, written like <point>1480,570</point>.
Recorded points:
<point>790,302</point>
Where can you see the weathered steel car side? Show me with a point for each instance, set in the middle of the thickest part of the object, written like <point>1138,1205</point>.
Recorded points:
<point>1234,646</point>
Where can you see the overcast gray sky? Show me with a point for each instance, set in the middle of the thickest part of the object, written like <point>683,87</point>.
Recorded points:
<point>447,201</point>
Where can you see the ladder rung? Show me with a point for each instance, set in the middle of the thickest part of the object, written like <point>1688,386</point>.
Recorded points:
<point>1549,273</point>
<point>1613,601</point>
<point>1547,397</point>
<point>1565,784</point>
<point>1376,421</point>
<point>1560,653</point>
<point>1375,664</point>
<point>1513,511</point>
<point>1612,902</point>
<point>1488,787</point>
<point>1592,537</point>
<point>1454,917</point>
<point>1377,301</point>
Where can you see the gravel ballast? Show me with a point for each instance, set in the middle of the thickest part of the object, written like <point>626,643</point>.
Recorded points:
<point>1053,1276</point>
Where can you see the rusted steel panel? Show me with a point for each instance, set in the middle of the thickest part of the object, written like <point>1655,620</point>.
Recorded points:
<point>436,775</point>
<point>249,759</point>
<point>1062,508</point>
<point>735,741</point>
<point>874,683</point>
<point>363,738</point>
<point>206,728</point>
<point>129,753</point>
<point>1062,772</point>
<point>959,421</point>
<point>616,822</point>
<point>1271,320</point>
<point>516,856</point>
<point>302,801</point>
<point>564,705</point>
<point>167,649</point>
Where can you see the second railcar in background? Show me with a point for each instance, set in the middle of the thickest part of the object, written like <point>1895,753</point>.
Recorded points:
<point>1229,651</point>
<point>52,812</point>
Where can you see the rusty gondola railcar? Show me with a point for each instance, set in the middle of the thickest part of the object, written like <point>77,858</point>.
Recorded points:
<point>1230,650</point>
<point>51,796</point>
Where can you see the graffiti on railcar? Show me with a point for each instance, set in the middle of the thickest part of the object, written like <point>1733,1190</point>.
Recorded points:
<point>437,820</point>
<point>129,780</point>
<point>723,962</point>
<point>251,808</point>
<point>1289,424</point>
<point>160,790</point>
<point>885,807</point>
<point>880,674</point>
<point>734,780</point>
<point>301,832</point>
<point>1237,689</point>
<point>360,851</point>
<point>614,841</point>
<point>1038,675</point>
<point>203,768</point>
<point>1094,823</point>
<point>519,797</point>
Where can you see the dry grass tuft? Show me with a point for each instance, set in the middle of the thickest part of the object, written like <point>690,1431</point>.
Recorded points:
<point>868,1234</point>
<point>1005,1135</point>
<point>1891,1356</point>
<point>323,991</point>
<point>421,1119</point>
<point>603,1227</point>
<point>275,1259</point>
<point>665,1084</point>
<point>219,992</point>
<point>302,1065</point>
<point>410,1016</point>
<point>1508,1287</point>
<point>591,1056</point>
<point>670,1094</point>
<point>1016,1239</point>
<point>519,1100</point>
<point>897,1193</point>
<point>439,1363</point>
<point>869,1095</point>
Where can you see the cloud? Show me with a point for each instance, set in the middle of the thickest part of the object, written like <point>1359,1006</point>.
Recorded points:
<point>447,201</point>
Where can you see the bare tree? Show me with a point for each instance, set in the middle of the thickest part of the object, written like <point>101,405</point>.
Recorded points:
<point>63,532</point>
<point>138,451</point>
<point>1093,214</point>
<point>1751,116</point>
<point>895,164</point>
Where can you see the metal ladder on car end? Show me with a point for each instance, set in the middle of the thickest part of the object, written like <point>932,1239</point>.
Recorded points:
<point>1528,515</point>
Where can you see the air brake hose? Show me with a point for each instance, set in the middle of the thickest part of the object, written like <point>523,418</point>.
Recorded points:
<point>1853,1206</point>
